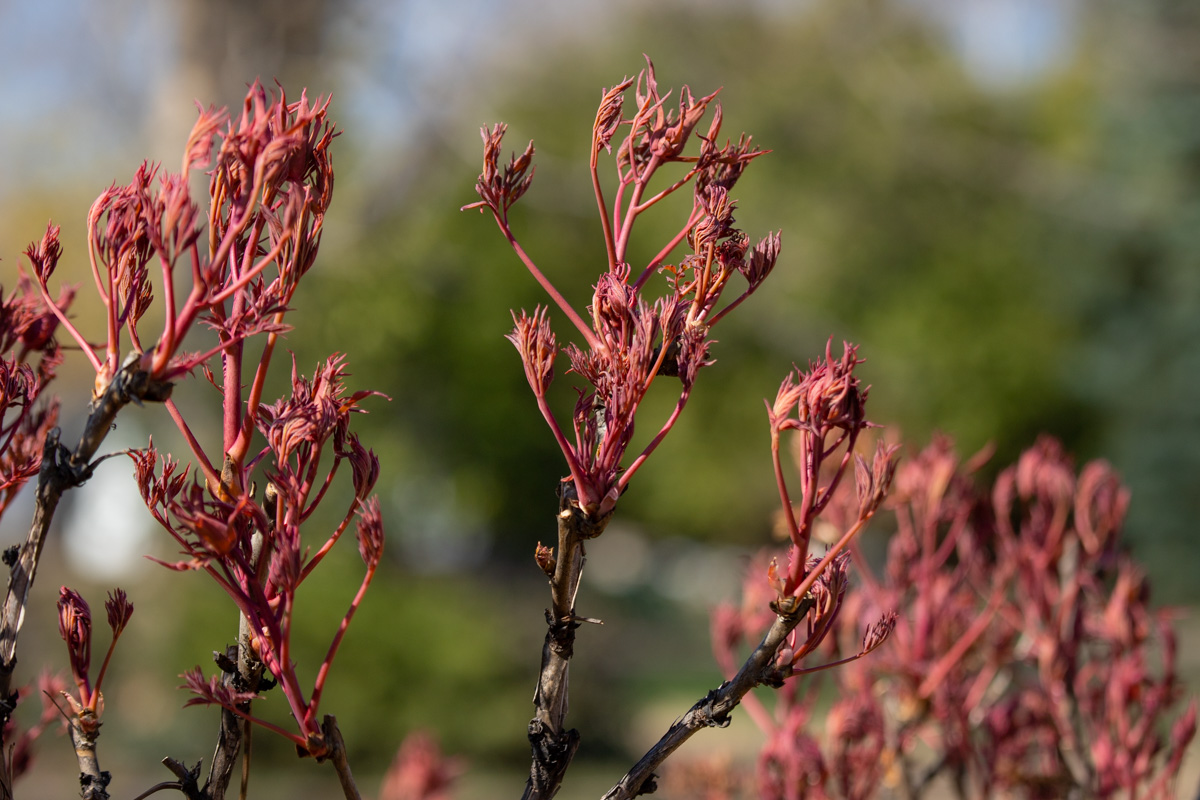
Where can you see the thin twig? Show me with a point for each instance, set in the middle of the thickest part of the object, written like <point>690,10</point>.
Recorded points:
<point>712,710</point>
<point>159,787</point>
<point>186,783</point>
<point>337,754</point>
<point>93,782</point>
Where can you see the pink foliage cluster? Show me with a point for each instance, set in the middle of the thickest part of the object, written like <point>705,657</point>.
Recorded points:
<point>420,771</point>
<point>632,336</point>
<point>75,627</point>
<point>1025,659</point>
<point>234,269</point>
<point>21,741</point>
<point>29,358</point>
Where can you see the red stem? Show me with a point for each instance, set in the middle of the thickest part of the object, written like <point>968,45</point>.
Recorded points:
<point>841,544</point>
<point>701,289</point>
<point>168,278</point>
<point>582,486</point>
<point>830,665</point>
<point>242,444</point>
<point>205,465</point>
<point>558,299</point>
<point>654,443</point>
<point>84,345</point>
<point>824,496</point>
<point>810,472</point>
<point>784,498</point>
<point>736,302</point>
<point>316,501</point>
<point>252,272</point>
<point>619,198</point>
<point>300,741</point>
<point>670,246</point>
<point>631,213</point>
<point>104,666</point>
<point>323,672</point>
<point>679,184</point>
<point>605,222</point>
<point>325,548</point>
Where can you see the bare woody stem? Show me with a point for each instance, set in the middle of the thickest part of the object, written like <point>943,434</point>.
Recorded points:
<point>552,744</point>
<point>62,469</point>
<point>229,745</point>
<point>712,710</point>
<point>245,675</point>
<point>186,783</point>
<point>337,754</point>
<point>93,783</point>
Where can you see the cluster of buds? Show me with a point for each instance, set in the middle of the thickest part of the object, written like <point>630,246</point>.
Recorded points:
<point>630,339</point>
<point>75,627</point>
<point>253,547</point>
<point>1026,652</point>
<point>29,357</point>
<point>823,409</point>
<point>270,185</point>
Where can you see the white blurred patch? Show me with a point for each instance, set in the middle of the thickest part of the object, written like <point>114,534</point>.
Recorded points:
<point>1007,44</point>
<point>437,527</point>
<point>618,560</point>
<point>698,574</point>
<point>106,528</point>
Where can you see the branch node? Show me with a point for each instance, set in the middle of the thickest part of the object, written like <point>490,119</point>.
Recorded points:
<point>226,661</point>
<point>552,755</point>
<point>94,786</point>
<point>711,716</point>
<point>188,785</point>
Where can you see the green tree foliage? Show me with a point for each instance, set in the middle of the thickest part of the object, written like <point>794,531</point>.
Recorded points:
<point>1140,304</point>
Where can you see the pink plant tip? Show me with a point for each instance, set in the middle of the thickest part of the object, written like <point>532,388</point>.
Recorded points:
<point>75,627</point>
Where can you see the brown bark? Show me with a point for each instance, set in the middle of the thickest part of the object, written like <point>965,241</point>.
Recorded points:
<point>337,754</point>
<point>93,782</point>
<point>552,744</point>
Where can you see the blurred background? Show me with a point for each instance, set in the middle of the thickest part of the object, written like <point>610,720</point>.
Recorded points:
<point>998,199</point>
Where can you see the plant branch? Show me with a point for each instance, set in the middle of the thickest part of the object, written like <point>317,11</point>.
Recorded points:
<point>588,334</point>
<point>244,675</point>
<point>553,746</point>
<point>186,783</point>
<point>712,710</point>
<point>93,783</point>
<point>231,734</point>
<point>337,754</point>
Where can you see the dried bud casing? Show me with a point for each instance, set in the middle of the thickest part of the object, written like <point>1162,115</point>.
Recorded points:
<point>544,556</point>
